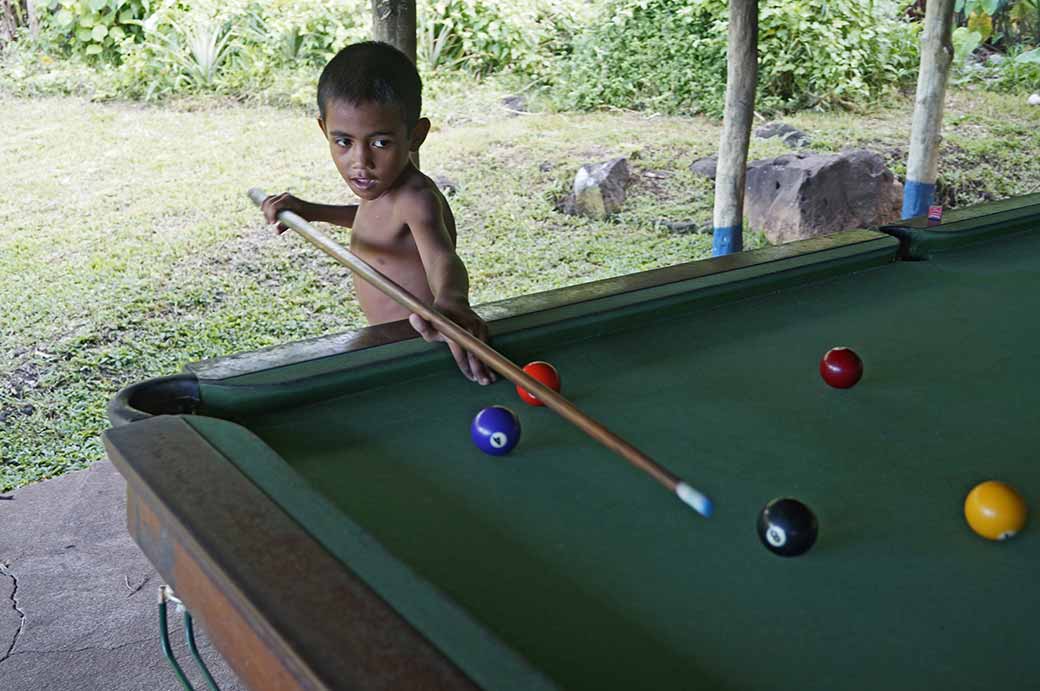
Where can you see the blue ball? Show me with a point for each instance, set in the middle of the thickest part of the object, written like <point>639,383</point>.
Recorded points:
<point>495,430</point>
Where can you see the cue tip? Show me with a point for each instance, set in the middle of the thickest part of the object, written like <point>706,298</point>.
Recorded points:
<point>695,500</point>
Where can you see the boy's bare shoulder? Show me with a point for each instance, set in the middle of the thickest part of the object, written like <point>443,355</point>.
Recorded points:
<point>418,194</point>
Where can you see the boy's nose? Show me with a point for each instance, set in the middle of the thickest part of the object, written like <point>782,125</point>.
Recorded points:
<point>363,157</point>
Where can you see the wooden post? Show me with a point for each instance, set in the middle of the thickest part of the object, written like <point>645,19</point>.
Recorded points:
<point>926,130</point>
<point>8,22</point>
<point>393,22</point>
<point>741,78</point>
<point>34,23</point>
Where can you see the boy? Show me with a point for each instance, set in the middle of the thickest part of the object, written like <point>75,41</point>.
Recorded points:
<point>369,103</point>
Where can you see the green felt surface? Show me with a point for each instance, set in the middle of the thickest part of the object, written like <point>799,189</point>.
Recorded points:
<point>602,580</point>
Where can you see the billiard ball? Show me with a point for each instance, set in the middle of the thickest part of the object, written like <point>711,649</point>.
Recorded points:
<point>841,368</point>
<point>995,510</point>
<point>495,430</point>
<point>787,527</point>
<point>543,372</point>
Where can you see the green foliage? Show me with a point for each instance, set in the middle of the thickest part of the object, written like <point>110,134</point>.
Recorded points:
<point>1002,22</point>
<point>487,36</point>
<point>270,51</point>
<point>96,27</point>
<point>289,32</point>
<point>189,47</point>
<point>965,42</point>
<point>670,55</point>
<point>244,47</point>
<point>1017,72</point>
<point>831,54</point>
<point>988,7</point>
<point>1018,69</point>
<point>666,55</point>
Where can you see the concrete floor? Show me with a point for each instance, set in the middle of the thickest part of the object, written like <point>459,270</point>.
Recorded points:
<point>78,599</point>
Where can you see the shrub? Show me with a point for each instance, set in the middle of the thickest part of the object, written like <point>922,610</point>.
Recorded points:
<point>95,28</point>
<point>486,36</point>
<point>1016,72</point>
<point>670,55</point>
<point>268,51</point>
<point>1012,24</point>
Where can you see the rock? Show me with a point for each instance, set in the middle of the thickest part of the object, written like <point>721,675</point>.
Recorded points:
<point>599,189</point>
<point>446,185</point>
<point>705,166</point>
<point>567,205</point>
<point>796,140</point>
<point>708,167</point>
<point>798,196</point>
<point>772,129</point>
<point>515,103</point>
<point>791,136</point>
<point>1034,100</point>
<point>687,226</point>
<point>545,166</point>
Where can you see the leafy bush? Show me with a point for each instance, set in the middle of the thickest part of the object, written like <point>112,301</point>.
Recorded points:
<point>667,55</point>
<point>832,54</point>
<point>989,27</point>
<point>309,31</point>
<point>96,27</point>
<point>270,51</point>
<point>487,36</point>
<point>670,55</point>
<point>1018,71</point>
<point>1005,22</point>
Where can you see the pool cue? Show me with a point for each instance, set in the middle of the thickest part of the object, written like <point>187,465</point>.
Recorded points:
<point>495,360</point>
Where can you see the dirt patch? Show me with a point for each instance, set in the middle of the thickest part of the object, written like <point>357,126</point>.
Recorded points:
<point>13,387</point>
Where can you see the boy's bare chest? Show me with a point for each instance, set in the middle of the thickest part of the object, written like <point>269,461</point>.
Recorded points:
<point>376,229</point>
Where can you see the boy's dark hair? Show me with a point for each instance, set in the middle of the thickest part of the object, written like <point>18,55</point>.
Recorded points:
<point>372,71</point>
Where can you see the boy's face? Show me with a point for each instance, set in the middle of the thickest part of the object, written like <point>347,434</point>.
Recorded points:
<point>370,144</point>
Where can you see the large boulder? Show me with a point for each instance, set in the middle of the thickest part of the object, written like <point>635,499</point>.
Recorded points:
<point>800,195</point>
<point>599,189</point>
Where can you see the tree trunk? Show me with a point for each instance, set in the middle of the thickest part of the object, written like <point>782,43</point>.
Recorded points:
<point>741,78</point>
<point>34,22</point>
<point>393,22</point>
<point>926,130</point>
<point>8,23</point>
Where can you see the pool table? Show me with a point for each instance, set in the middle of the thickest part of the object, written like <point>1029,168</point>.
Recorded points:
<point>320,506</point>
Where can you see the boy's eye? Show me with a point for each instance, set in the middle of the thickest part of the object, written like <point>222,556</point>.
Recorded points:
<point>381,143</point>
<point>343,142</point>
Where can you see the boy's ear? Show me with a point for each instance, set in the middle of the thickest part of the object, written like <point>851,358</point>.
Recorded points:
<point>321,124</point>
<point>422,128</point>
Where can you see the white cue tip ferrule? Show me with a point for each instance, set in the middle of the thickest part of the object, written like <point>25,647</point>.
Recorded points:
<point>694,499</point>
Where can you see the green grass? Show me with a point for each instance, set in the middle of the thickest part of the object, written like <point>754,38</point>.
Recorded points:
<point>129,247</point>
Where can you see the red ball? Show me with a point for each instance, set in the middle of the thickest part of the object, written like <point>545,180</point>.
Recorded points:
<point>543,372</point>
<point>841,368</point>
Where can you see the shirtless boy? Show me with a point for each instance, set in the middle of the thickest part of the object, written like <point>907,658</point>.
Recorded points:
<point>369,103</point>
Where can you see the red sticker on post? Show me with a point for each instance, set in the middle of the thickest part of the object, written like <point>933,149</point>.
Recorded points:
<point>934,214</point>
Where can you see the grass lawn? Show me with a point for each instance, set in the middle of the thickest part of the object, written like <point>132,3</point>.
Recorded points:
<point>129,248</point>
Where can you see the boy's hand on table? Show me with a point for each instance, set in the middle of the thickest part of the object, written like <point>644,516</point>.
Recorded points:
<point>276,203</point>
<point>463,315</point>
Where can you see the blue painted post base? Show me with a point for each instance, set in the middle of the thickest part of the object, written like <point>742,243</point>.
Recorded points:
<point>727,241</point>
<point>917,197</point>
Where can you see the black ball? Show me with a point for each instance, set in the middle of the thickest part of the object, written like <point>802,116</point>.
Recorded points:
<point>787,527</point>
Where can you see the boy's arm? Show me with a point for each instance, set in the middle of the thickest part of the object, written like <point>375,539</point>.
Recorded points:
<point>340,215</point>
<point>448,279</point>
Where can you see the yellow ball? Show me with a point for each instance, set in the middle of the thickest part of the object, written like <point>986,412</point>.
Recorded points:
<point>994,510</point>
